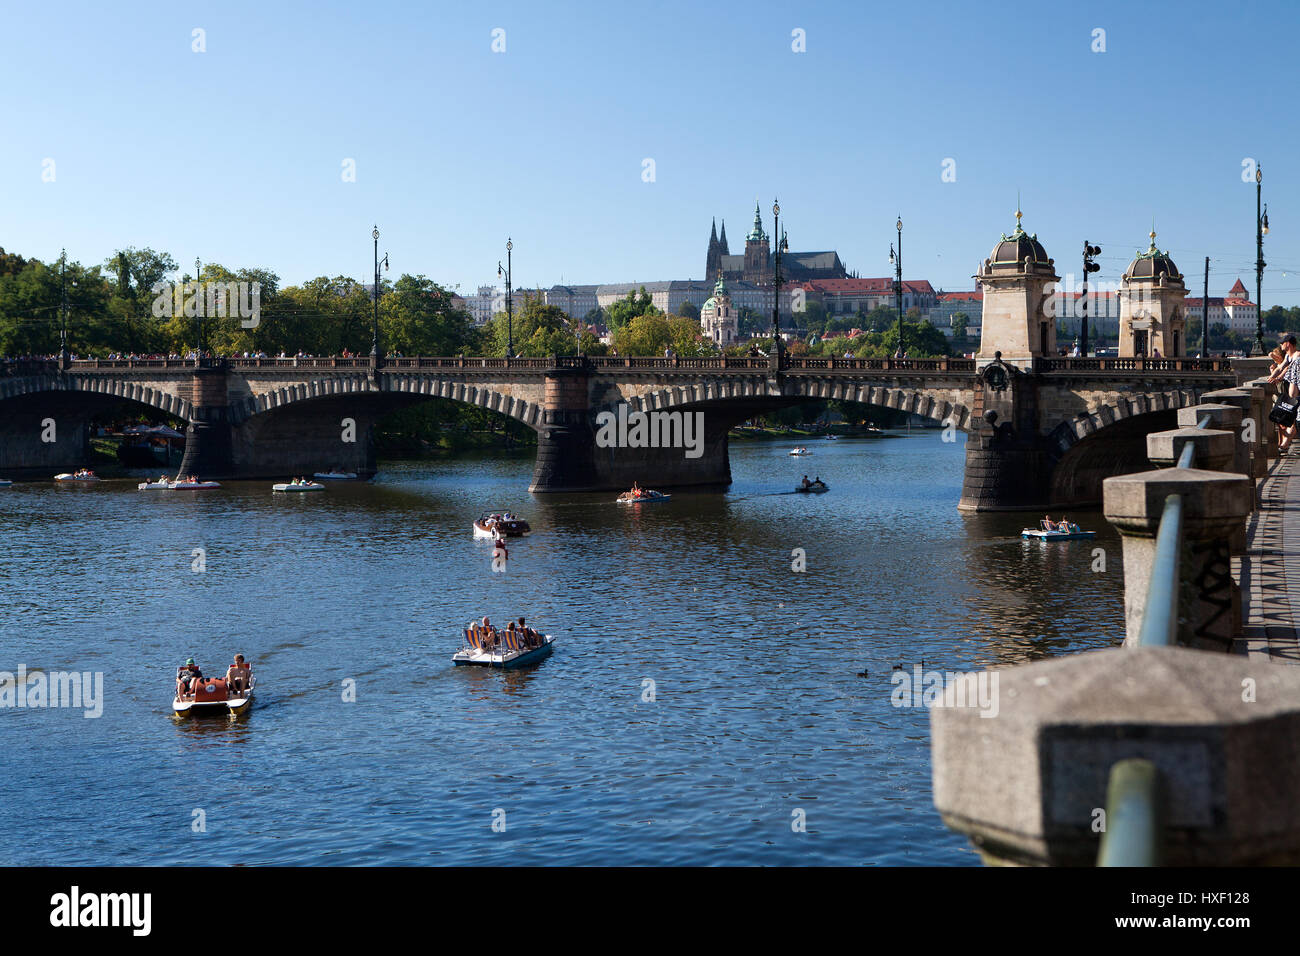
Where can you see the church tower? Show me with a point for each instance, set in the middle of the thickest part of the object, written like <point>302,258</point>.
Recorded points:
<point>722,244</point>
<point>714,260</point>
<point>758,252</point>
<point>718,320</point>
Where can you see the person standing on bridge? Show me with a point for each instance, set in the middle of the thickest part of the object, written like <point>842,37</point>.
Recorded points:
<point>1290,374</point>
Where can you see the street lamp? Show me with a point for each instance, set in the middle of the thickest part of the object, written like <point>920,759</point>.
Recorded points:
<point>776,278</point>
<point>510,312</point>
<point>198,316</point>
<point>374,330</point>
<point>1261,230</point>
<point>897,261</point>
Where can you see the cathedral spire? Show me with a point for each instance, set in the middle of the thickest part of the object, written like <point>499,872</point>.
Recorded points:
<point>722,242</point>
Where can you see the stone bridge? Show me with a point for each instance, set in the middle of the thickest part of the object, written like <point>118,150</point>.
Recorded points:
<point>1037,437</point>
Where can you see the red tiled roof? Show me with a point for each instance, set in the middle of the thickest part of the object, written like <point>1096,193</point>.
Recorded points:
<point>1238,290</point>
<point>977,295</point>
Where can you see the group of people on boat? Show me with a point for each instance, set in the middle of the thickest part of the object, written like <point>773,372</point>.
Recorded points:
<point>812,484</point>
<point>189,674</point>
<point>1063,525</point>
<point>491,638</point>
<point>302,481</point>
<point>636,493</point>
<point>83,473</point>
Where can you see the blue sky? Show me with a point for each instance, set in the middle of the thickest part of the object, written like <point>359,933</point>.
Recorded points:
<point>235,155</point>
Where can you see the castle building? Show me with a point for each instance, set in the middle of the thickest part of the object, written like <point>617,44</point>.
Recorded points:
<point>1235,311</point>
<point>1018,282</point>
<point>1151,306</point>
<point>718,320</point>
<point>755,264</point>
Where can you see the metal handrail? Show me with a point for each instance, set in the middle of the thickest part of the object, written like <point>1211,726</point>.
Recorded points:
<point>1134,816</point>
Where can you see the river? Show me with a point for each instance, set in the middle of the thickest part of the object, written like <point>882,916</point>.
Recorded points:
<point>703,705</point>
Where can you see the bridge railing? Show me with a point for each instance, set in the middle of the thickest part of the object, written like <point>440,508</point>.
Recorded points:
<point>1136,364</point>
<point>1134,803</point>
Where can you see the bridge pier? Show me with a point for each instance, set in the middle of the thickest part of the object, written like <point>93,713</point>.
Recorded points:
<point>208,439</point>
<point>566,443</point>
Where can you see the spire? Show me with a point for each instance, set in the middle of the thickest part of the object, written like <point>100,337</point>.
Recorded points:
<point>756,234</point>
<point>723,240</point>
<point>713,233</point>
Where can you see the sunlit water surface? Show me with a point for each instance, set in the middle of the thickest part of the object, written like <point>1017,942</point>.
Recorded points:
<point>702,693</point>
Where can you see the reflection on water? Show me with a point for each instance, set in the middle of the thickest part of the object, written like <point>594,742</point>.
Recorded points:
<point>701,691</point>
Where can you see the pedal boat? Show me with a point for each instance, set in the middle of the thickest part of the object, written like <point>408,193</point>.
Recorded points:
<point>508,652</point>
<point>514,528</point>
<point>192,485</point>
<point>1042,535</point>
<point>290,486</point>
<point>627,498</point>
<point>815,488</point>
<point>5,482</point>
<point>154,485</point>
<point>69,476</point>
<point>213,696</point>
<point>336,475</point>
<point>800,452</point>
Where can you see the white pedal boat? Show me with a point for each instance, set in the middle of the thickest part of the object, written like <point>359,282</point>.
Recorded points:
<point>213,696</point>
<point>5,482</point>
<point>336,475</point>
<point>645,496</point>
<point>192,485</point>
<point>493,524</point>
<point>474,654</point>
<point>68,476</point>
<point>1030,533</point>
<point>800,452</point>
<point>290,486</point>
<point>154,485</point>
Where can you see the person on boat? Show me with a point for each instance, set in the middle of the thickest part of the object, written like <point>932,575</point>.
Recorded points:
<point>187,677</point>
<point>636,490</point>
<point>499,548</point>
<point>237,674</point>
<point>806,482</point>
<point>817,480</point>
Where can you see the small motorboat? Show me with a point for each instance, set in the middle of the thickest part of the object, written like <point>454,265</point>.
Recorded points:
<point>812,488</point>
<point>494,524</point>
<point>336,475</point>
<point>800,452</point>
<point>643,495</point>
<point>84,474</point>
<point>1074,533</point>
<point>492,647</point>
<point>299,486</point>
<point>212,695</point>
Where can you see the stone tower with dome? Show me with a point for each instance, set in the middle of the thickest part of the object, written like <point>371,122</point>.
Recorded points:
<point>1018,281</point>
<point>1151,315</point>
<point>718,320</point>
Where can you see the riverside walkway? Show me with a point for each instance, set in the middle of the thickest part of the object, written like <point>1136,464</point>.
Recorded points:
<point>1269,571</point>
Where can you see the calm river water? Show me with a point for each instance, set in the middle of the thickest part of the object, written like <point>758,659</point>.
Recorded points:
<point>757,709</point>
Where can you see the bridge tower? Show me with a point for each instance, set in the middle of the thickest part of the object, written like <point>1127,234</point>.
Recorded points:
<point>1018,280</point>
<point>1151,313</point>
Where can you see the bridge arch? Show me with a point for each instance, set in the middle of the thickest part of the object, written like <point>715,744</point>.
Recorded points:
<point>415,387</point>
<point>160,399</point>
<point>934,403</point>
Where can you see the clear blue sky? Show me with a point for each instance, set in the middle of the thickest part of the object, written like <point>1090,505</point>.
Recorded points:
<point>234,155</point>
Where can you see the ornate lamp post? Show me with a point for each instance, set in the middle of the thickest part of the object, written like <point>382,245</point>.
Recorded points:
<point>63,310</point>
<point>777,345</point>
<point>897,261</point>
<point>510,312</point>
<point>374,330</point>
<point>1261,230</point>
<point>199,338</point>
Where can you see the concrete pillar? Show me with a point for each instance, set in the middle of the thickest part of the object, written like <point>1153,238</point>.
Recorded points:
<point>1212,449</point>
<point>208,437</point>
<point>565,441</point>
<point>1215,506</point>
<point>1225,417</point>
<point>1253,422</point>
<point>1021,768</point>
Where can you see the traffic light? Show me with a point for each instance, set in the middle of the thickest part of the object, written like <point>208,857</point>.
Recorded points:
<point>1088,253</point>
